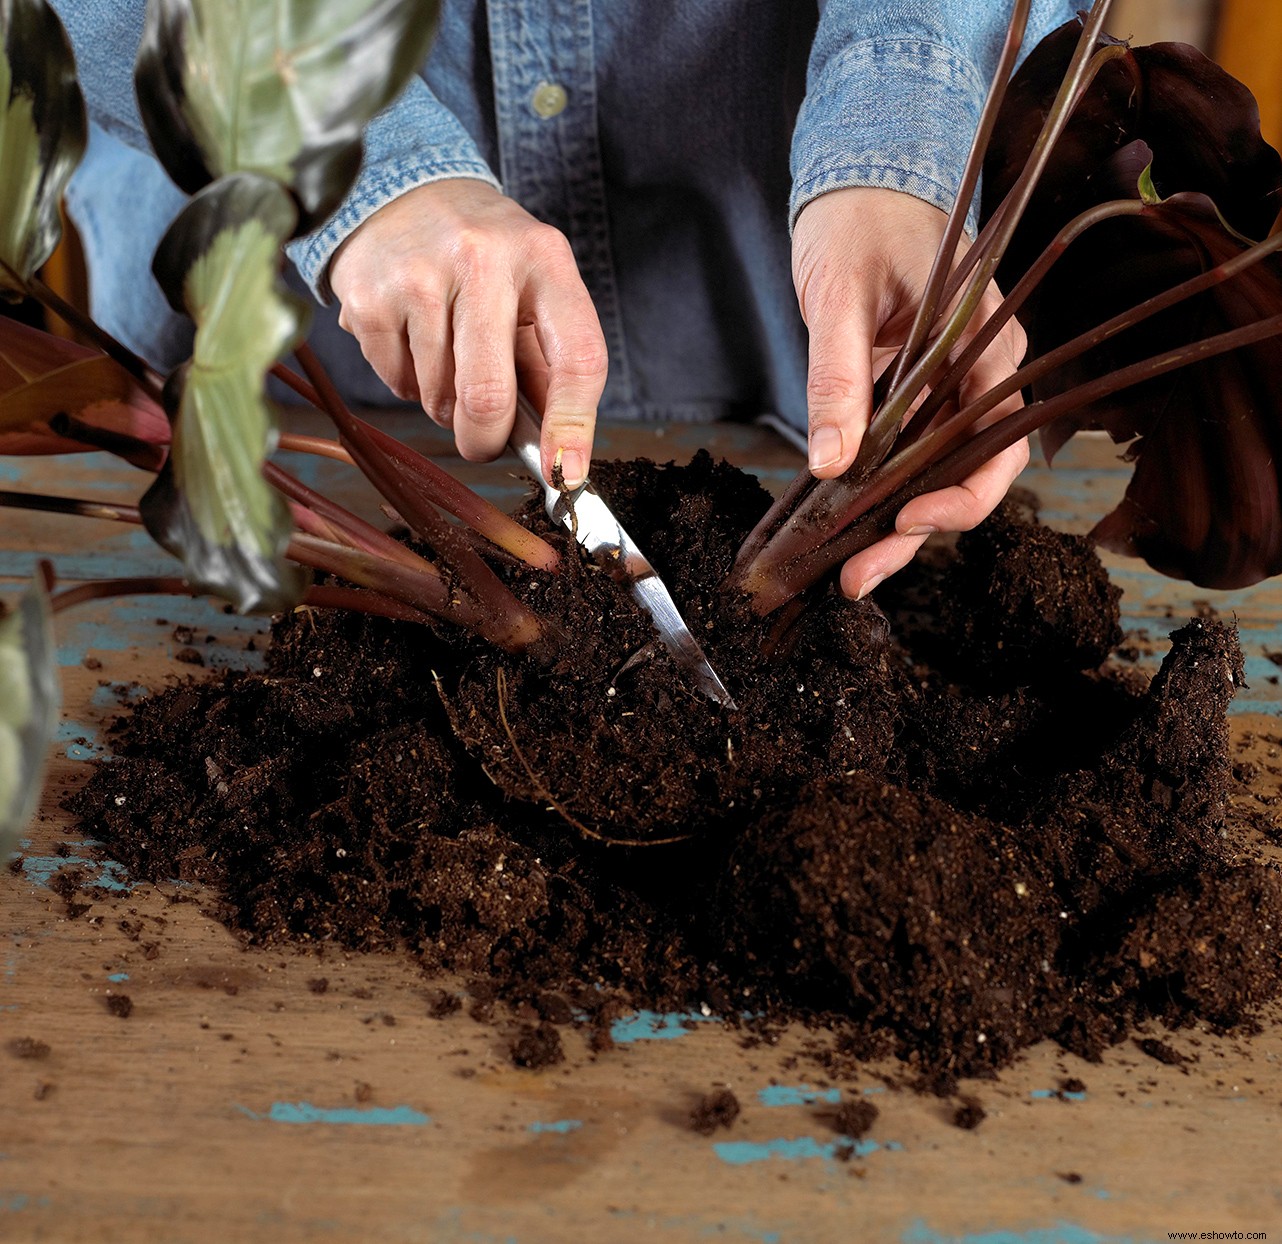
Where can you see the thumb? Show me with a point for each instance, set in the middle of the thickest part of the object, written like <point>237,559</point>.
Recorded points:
<point>839,381</point>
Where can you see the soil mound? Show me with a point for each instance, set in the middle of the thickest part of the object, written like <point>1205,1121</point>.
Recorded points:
<point>947,835</point>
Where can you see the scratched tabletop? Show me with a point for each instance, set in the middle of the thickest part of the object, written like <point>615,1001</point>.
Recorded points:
<point>239,1100</point>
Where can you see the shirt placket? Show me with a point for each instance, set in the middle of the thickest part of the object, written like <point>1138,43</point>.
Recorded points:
<point>545,101</point>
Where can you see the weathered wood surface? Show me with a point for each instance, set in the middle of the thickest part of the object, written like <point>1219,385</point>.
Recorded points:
<point>236,1103</point>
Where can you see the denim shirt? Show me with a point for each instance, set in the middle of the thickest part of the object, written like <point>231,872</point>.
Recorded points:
<point>673,142</point>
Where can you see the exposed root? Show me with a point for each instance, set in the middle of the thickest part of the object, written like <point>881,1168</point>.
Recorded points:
<point>541,790</point>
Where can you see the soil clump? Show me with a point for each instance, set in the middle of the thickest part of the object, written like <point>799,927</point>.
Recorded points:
<point>945,833</point>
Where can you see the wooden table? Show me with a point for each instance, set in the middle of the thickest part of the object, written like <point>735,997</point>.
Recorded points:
<point>237,1103</point>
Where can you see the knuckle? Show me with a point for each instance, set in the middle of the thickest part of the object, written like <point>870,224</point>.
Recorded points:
<point>828,386</point>
<point>365,309</point>
<point>486,402</point>
<point>581,357</point>
<point>1018,339</point>
<point>475,253</point>
<point>570,428</point>
<point>547,246</point>
<point>439,408</point>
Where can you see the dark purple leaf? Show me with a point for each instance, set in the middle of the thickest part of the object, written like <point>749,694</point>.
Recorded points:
<point>1204,503</point>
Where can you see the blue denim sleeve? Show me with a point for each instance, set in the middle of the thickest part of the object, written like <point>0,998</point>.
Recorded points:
<point>894,92</point>
<point>415,141</point>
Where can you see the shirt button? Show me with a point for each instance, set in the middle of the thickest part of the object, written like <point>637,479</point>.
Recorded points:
<point>549,100</point>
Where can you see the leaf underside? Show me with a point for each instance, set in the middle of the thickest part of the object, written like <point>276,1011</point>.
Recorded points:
<point>42,136</point>
<point>1205,500</point>
<point>28,710</point>
<point>210,505</point>
<point>282,88</point>
<point>51,389</point>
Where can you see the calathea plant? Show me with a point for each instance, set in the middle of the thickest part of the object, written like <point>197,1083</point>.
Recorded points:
<point>1173,206</point>
<point>1148,165</point>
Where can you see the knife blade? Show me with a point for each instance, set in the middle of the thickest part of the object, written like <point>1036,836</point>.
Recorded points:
<point>585,514</point>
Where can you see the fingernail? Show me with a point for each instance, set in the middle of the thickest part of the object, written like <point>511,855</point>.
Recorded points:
<point>869,585</point>
<point>825,447</point>
<point>569,465</point>
<point>921,529</point>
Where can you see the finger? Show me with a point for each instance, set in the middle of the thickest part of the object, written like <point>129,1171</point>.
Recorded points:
<point>967,504</point>
<point>379,326</point>
<point>557,304</point>
<point>484,368</point>
<point>570,338</point>
<point>392,358</point>
<point>863,572</point>
<point>531,366</point>
<point>431,346</point>
<point>839,381</point>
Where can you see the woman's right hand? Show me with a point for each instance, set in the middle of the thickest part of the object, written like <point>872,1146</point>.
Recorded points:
<point>457,294</point>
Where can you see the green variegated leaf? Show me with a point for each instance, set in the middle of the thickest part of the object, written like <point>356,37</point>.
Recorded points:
<point>210,506</point>
<point>28,710</point>
<point>282,88</point>
<point>42,136</point>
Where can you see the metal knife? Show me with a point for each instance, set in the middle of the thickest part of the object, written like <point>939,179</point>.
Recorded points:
<point>584,513</point>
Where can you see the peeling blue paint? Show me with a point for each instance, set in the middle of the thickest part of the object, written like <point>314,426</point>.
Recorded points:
<point>108,874</point>
<point>81,740</point>
<point>796,1095</point>
<point>1060,1233</point>
<point>559,1126</point>
<point>652,1026</point>
<point>1061,1094</point>
<point>305,1112</point>
<point>16,1202</point>
<point>746,1152</point>
<point>695,1225</point>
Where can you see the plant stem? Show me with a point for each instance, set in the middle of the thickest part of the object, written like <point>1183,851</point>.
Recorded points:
<point>317,446</point>
<point>107,589</point>
<point>354,600</point>
<point>438,487</point>
<point>73,317</point>
<point>813,523</point>
<point>948,385</point>
<point>499,617</point>
<point>928,308</point>
<point>1081,71</point>
<point>322,597</point>
<point>788,577</point>
<point>46,504</point>
<point>350,528</point>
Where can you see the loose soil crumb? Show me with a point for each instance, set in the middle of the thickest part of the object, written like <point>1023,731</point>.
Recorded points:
<point>720,1108</point>
<point>939,832</point>
<point>28,1047</point>
<point>1162,1052</point>
<point>854,1118</point>
<point>121,1005</point>
<point>538,1046</point>
<point>969,1115</point>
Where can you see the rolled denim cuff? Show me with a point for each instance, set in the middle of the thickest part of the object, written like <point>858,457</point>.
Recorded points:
<point>893,113</point>
<point>377,186</point>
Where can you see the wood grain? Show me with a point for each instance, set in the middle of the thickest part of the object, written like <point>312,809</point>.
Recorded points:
<point>237,1103</point>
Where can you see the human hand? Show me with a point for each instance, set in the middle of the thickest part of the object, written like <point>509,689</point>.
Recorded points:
<point>860,260</point>
<point>456,294</point>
